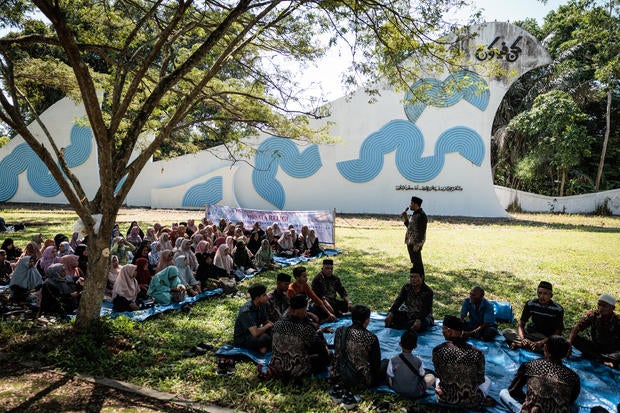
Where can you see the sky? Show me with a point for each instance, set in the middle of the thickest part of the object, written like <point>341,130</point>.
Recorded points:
<point>492,10</point>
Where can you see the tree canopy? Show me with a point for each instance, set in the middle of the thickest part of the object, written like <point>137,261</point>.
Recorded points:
<point>583,38</point>
<point>193,72</point>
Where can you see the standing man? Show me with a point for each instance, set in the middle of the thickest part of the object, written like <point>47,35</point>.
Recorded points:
<point>416,233</point>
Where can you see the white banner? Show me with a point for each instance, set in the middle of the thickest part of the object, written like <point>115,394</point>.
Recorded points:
<point>321,221</point>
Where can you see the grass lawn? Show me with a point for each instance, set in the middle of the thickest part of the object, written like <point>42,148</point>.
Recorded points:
<point>508,257</point>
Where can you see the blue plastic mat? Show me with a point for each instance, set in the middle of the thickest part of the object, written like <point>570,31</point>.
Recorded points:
<point>141,315</point>
<point>599,384</point>
<point>285,262</point>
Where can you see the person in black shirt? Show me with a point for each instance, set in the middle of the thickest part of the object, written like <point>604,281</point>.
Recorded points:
<point>327,286</point>
<point>547,319</point>
<point>416,233</point>
<point>413,308</point>
<point>252,326</point>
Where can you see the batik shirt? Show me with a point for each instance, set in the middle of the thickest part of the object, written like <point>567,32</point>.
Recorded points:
<point>605,332</point>
<point>277,305</point>
<point>551,386</point>
<point>328,287</point>
<point>362,350</point>
<point>417,305</point>
<point>292,341</point>
<point>416,228</point>
<point>460,368</point>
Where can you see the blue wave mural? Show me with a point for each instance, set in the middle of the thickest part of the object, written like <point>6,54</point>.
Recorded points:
<point>407,140</point>
<point>274,152</point>
<point>208,192</point>
<point>461,85</point>
<point>23,158</point>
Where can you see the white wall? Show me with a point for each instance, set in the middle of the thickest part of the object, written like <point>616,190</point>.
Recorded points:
<point>355,121</point>
<point>576,204</point>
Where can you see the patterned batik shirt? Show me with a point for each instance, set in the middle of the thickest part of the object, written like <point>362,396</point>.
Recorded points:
<point>604,331</point>
<point>328,287</point>
<point>292,340</point>
<point>277,303</point>
<point>362,350</point>
<point>551,386</point>
<point>417,305</point>
<point>416,228</point>
<point>460,368</point>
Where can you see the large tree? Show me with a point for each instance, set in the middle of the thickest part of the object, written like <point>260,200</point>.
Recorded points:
<point>171,68</point>
<point>583,39</point>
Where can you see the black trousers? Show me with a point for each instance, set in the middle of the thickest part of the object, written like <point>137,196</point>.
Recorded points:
<point>416,260</point>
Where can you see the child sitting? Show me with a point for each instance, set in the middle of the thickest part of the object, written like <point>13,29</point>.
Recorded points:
<point>405,372</point>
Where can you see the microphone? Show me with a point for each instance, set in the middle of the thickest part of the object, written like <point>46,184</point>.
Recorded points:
<point>406,209</point>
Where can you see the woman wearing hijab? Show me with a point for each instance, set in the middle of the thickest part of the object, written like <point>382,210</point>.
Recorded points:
<point>312,247</point>
<point>163,284</point>
<point>286,245</point>
<point>254,242</point>
<point>64,249</point>
<point>196,238</point>
<point>150,236</point>
<point>141,252</point>
<point>223,259</point>
<point>186,250</point>
<point>71,263</point>
<point>48,258</point>
<point>143,276</point>
<point>31,250</point>
<point>12,252</point>
<point>134,237</point>
<point>48,243</point>
<point>166,259</point>
<point>57,295</point>
<point>154,254</point>
<point>164,239</point>
<point>82,252</point>
<point>192,286</point>
<point>241,256</point>
<point>134,224</point>
<point>74,240</point>
<point>264,256</point>
<point>126,289</point>
<point>25,281</point>
<point>113,273</point>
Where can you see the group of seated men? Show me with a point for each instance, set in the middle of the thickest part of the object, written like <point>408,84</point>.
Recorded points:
<point>285,322</point>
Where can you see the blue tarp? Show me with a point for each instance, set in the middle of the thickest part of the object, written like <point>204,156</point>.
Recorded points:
<point>285,262</point>
<point>599,384</point>
<point>141,315</point>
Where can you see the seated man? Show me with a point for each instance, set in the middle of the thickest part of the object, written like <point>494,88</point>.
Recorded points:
<point>300,286</point>
<point>326,286</point>
<point>277,300</point>
<point>405,372</point>
<point>551,386</point>
<point>298,349</point>
<point>481,322</point>
<point>413,308</point>
<point>460,369</point>
<point>5,269</point>
<point>604,327</point>
<point>357,354</point>
<point>252,326</point>
<point>547,320</point>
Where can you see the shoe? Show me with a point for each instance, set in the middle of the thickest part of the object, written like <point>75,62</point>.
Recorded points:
<point>350,400</point>
<point>205,346</point>
<point>230,367</point>
<point>336,393</point>
<point>199,351</point>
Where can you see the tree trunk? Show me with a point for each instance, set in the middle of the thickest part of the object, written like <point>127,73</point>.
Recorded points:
<point>562,182</point>
<point>98,267</point>
<point>601,163</point>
